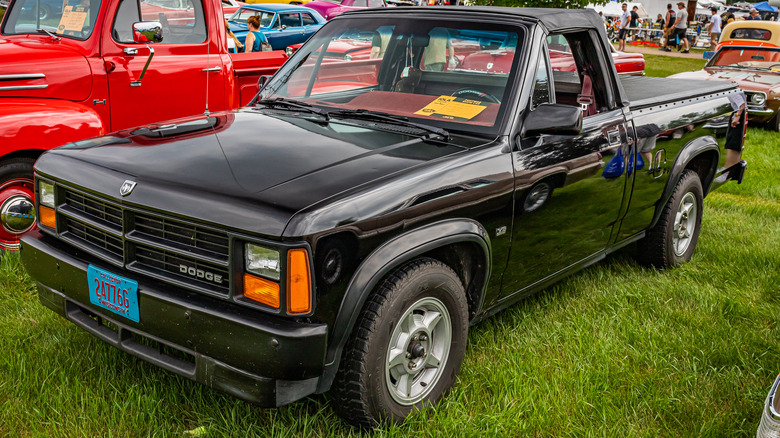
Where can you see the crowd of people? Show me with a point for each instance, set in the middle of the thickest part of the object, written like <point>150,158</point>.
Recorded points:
<point>673,29</point>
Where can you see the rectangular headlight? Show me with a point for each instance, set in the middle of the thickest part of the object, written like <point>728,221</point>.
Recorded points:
<point>262,261</point>
<point>46,194</point>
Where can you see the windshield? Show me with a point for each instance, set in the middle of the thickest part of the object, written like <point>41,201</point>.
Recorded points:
<point>762,58</point>
<point>66,18</point>
<point>266,18</point>
<point>453,75</point>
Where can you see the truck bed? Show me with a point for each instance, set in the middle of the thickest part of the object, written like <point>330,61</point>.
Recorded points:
<point>644,92</point>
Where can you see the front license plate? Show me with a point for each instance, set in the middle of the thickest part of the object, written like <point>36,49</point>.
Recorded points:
<point>114,293</point>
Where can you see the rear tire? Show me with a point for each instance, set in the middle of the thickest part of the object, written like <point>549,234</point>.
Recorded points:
<point>406,348</point>
<point>672,241</point>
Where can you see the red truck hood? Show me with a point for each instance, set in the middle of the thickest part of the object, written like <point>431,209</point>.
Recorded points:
<point>45,68</point>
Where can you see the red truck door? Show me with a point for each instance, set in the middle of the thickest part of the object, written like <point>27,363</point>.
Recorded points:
<point>185,64</point>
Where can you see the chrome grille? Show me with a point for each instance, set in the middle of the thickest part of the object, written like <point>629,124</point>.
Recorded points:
<point>171,250</point>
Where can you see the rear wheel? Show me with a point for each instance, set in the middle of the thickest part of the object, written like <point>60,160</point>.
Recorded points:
<point>406,348</point>
<point>672,241</point>
<point>17,204</point>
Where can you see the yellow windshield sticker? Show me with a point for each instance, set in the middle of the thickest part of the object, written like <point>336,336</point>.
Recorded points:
<point>453,108</point>
<point>73,20</point>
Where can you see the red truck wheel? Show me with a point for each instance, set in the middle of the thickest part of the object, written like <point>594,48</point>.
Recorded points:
<point>17,201</point>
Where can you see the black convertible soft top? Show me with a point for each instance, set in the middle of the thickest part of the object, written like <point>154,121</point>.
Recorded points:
<point>552,19</point>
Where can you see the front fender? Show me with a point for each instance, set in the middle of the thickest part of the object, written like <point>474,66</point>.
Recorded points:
<point>42,124</point>
<point>705,148</point>
<point>387,257</point>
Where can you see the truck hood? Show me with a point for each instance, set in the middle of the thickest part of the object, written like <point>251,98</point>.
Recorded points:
<point>746,78</point>
<point>249,170</point>
<point>42,67</point>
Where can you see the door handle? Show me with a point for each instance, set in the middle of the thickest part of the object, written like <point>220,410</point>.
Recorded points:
<point>213,69</point>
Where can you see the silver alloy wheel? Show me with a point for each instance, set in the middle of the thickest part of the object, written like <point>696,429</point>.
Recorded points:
<point>418,351</point>
<point>684,224</point>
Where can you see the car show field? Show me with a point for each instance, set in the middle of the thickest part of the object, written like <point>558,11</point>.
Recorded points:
<point>617,349</point>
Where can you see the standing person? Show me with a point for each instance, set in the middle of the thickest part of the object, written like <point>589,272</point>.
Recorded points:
<point>714,28</point>
<point>681,27</point>
<point>753,15</point>
<point>634,21</point>
<point>254,39</point>
<point>660,24</point>
<point>625,20</point>
<point>671,16</point>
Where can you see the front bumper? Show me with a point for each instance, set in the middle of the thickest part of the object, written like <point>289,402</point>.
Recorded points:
<point>760,115</point>
<point>248,354</point>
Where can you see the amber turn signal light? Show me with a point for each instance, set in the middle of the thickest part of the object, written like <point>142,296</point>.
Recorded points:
<point>261,290</point>
<point>47,217</point>
<point>298,282</point>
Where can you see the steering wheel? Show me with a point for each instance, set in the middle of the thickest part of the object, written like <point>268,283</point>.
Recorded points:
<point>773,66</point>
<point>475,94</point>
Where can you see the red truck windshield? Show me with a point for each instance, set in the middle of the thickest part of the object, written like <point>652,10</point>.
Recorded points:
<point>65,18</point>
<point>448,74</point>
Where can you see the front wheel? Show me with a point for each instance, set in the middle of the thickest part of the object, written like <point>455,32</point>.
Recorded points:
<point>672,240</point>
<point>774,124</point>
<point>17,205</point>
<point>406,348</point>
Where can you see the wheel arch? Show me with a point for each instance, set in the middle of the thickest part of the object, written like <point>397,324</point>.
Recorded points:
<point>701,156</point>
<point>462,244</point>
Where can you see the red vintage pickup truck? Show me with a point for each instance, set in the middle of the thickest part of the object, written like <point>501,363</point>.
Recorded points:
<point>87,67</point>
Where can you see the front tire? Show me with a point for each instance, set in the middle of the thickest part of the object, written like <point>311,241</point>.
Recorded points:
<point>774,124</point>
<point>406,348</point>
<point>17,201</point>
<point>672,241</point>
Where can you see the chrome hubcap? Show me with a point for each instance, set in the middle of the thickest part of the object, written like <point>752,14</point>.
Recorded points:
<point>418,350</point>
<point>684,224</point>
<point>17,214</point>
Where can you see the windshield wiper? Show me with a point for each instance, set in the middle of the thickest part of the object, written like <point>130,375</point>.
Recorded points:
<point>375,116</point>
<point>280,102</point>
<point>56,38</point>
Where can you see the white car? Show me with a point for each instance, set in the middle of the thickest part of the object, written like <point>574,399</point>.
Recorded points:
<point>770,418</point>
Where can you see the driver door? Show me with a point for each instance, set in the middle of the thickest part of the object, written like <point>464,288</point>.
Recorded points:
<point>565,204</point>
<point>184,75</point>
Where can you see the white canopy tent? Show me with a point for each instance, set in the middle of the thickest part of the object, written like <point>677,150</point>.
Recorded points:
<point>614,9</point>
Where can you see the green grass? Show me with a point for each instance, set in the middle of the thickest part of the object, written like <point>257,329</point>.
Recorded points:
<point>663,66</point>
<point>616,350</point>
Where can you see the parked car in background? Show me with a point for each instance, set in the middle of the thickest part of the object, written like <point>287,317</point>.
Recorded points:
<point>229,7</point>
<point>332,8</point>
<point>63,79</point>
<point>282,24</point>
<point>770,416</point>
<point>750,33</point>
<point>290,2</point>
<point>756,70</point>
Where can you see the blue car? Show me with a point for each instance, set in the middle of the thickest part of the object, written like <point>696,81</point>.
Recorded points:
<point>282,25</point>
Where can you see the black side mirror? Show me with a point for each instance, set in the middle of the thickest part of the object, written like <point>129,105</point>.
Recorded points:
<point>553,119</point>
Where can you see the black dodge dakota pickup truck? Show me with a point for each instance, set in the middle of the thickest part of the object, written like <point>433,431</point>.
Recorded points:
<point>343,231</point>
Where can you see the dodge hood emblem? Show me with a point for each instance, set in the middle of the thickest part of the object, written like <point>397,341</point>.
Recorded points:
<point>127,187</point>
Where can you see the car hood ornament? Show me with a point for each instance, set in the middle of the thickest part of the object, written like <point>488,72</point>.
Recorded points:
<point>127,187</point>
